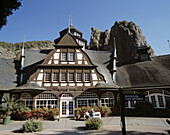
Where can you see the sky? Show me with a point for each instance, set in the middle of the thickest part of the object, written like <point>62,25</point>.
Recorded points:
<point>44,19</point>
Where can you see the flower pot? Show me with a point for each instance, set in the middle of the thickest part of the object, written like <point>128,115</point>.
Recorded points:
<point>6,120</point>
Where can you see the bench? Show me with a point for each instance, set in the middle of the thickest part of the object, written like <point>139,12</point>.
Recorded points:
<point>95,115</point>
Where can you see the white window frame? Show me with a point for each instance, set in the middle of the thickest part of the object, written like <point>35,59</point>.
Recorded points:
<point>155,95</point>
<point>107,96</point>
<point>71,56</point>
<point>129,104</point>
<point>46,98</point>
<point>88,96</point>
<point>64,56</point>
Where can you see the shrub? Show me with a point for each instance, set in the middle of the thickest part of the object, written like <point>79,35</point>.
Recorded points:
<point>32,126</point>
<point>94,124</point>
<point>105,111</point>
<point>25,113</point>
<point>22,113</point>
<point>54,111</point>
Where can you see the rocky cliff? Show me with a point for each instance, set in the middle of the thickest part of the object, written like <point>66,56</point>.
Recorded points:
<point>6,53</point>
<point>99,40</point>
<point>128,37</point>
<point>13,51</point>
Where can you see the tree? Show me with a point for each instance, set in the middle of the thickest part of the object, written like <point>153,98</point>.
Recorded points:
<point>11,105</point>
<point>6,9</point>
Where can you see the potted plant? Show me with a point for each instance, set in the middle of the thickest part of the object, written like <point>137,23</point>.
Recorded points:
<point>11,105</point>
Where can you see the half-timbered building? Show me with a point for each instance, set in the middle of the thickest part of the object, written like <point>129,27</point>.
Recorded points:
<point>71,76</point>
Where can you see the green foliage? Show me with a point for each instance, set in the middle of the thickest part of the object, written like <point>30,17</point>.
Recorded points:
<point>11,104</point>
<point>94,124</point>
<point>2,115</point>
<point>21,113</point>
<point>32,126</point>
<point>105,110</point>
<point>25,113</point>
<point>54,111</point>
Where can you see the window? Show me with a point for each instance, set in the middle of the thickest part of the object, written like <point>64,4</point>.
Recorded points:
<point>158,98</point>
<point>55,76</point>
<point>71,77</point>
<point>27,99</point>
<point>87,99</point>
<point>72,56</point>
<point>48,76</point>
<point>79,77</point>
<point>64,56</point>
<point>153,100</point>
<point>130,103</point>
<point>46,100</point>
<point>64,77</point>
<point>87,77</point>
<point>107,99</point>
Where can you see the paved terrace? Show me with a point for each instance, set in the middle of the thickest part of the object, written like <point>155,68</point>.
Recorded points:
<point>134,126</point>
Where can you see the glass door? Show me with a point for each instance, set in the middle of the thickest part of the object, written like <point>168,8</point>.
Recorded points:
<point>71,108</point>
<point>67,108</point>
<point>64,108</point>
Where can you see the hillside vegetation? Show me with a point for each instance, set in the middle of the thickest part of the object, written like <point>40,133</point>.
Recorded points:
<point>16,48</point>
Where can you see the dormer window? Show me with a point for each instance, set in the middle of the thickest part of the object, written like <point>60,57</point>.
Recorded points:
<point>71,56</point>
<point>77,34</point>
<point>64,56</point>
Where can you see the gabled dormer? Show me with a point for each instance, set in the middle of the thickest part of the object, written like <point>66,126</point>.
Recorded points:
<point>143,53</point>
<point>67,67</point>
<point>75,33</point>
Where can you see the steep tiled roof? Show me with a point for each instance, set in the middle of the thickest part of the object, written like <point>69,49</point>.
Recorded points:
<point>34,56</point>
<point>101,59</point>
<point>7,74</point>
<point>148,73</point>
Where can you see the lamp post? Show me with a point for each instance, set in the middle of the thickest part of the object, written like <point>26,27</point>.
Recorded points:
<point>122,111</point>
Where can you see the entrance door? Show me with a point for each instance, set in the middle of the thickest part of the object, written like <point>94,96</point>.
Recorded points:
<point>67,105</point>
<point>67,108</point>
